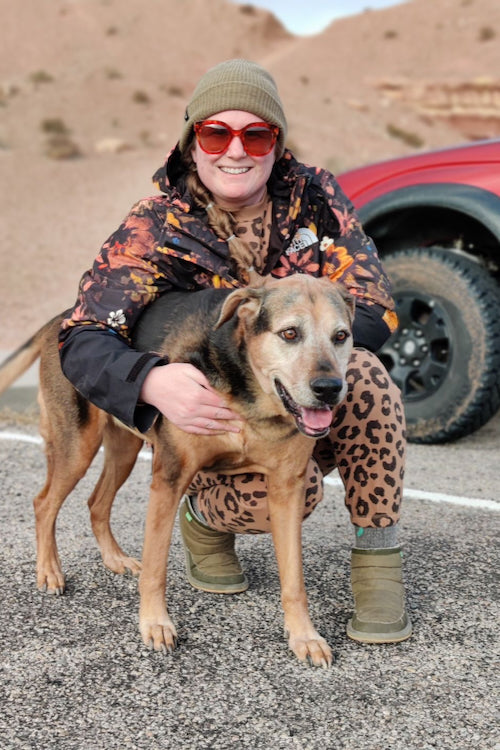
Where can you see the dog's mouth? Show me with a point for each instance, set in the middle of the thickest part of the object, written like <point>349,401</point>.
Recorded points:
<point>313,422</point>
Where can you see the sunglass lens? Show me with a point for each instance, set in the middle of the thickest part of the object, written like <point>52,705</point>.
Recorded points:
<point>214,138</point>
<point>258,141</point>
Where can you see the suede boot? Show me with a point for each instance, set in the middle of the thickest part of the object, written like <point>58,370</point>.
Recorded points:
<point>211,562</point>
<point>379,599</point>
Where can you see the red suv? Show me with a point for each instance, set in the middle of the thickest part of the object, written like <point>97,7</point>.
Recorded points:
<point>435,218</point>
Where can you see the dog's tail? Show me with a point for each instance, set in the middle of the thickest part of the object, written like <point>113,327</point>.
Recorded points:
<point>18,362</point>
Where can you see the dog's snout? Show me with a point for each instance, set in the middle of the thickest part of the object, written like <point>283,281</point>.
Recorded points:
<point>326,389</point>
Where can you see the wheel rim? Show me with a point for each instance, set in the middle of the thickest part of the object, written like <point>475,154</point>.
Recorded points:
<point>418,356</point>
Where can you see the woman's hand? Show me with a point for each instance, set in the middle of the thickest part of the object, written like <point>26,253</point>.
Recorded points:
<point>185,397</point>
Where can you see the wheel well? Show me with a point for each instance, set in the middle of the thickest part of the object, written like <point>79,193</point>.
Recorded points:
<point>423,226</point>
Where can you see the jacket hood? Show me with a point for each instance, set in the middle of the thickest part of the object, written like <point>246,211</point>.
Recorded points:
<point>171,173</point>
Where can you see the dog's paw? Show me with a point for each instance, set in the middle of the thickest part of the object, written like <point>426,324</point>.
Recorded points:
<point>312,649</point>
<point>51,580</point>
<point>159,636</point>
<point>121,564</point>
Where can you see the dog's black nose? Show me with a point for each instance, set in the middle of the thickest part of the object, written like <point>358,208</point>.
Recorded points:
<point>326,389</point>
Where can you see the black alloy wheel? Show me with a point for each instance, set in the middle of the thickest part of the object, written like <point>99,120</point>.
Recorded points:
<point>445,355</point>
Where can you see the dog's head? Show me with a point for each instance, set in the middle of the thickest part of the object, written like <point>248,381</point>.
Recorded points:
<point>298,340</point>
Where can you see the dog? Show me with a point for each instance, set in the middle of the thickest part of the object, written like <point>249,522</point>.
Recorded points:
<point>278,350</point>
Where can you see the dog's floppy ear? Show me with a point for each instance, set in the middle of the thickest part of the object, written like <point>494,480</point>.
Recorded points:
<point>247,298</point>
<point>255,280</point>
<point>349,299</point>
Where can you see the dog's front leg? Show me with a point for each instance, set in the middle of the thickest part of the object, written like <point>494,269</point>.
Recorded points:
<point>157,629</point>
<point>286,505</point>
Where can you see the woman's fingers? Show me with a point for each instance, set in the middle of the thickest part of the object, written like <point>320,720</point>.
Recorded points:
<point>183,394</point>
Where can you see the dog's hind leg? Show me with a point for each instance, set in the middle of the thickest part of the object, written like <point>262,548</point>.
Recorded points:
<point>120,453</point>
<point>70,445</point>
<point>171,476</point>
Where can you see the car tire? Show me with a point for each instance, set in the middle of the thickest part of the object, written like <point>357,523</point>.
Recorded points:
<point>445,355</point>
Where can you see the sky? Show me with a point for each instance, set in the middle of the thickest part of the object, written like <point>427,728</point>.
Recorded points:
<point>311,17</point>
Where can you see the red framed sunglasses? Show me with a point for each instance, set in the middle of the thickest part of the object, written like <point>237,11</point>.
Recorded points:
<point>214,137</point>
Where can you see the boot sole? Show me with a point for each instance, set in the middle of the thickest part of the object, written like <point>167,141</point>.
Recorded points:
<point>361,637</point>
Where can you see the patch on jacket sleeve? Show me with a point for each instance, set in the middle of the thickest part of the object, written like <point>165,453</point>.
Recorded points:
<point>116,319</point>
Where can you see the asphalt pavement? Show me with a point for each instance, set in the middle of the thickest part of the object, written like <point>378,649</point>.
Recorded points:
<point>74,674</point>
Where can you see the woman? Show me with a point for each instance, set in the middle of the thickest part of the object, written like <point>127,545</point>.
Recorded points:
<point>233,198</point>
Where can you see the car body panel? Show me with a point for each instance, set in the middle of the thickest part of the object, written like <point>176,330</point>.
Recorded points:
<point>476,164</point>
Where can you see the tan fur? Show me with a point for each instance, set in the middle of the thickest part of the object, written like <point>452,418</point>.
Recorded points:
<point>269,442</point>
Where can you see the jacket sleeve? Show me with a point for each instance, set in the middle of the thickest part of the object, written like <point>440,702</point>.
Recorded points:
<point>126,275</point>
<point>107,372</point>
<point>349,256</point>
<point>369,330</point>
<point>94,340</point>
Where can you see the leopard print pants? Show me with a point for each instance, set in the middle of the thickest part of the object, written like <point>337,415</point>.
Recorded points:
<point>366,444</point>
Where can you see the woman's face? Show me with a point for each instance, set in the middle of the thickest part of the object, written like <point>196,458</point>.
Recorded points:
<point>234,178</point>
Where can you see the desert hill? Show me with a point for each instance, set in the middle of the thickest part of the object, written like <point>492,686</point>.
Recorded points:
<point>92,94</point>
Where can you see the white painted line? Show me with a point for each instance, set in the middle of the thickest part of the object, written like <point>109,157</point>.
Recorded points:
<point>145,453</point>
<point>477,503</point>
<point>20,437</point>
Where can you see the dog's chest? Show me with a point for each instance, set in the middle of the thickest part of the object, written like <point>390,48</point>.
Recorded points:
<point>254,450</point>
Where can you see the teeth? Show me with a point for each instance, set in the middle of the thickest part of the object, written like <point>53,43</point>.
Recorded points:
<point>235,170</point>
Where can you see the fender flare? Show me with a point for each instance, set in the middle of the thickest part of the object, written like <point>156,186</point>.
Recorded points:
<point>477,203</point>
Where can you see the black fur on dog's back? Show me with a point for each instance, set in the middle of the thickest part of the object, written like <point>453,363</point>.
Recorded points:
<point>168,315</point>
<point>191,317</point>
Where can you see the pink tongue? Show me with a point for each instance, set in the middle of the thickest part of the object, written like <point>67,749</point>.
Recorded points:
<point>317,419</point>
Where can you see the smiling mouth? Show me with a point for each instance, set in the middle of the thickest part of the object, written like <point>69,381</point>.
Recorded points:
<point>312,422</point>
<point>234,170</point>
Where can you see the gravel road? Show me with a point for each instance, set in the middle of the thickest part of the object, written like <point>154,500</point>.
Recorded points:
<point>75,675</point>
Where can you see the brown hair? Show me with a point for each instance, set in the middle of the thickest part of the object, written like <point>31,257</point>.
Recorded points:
<point>219,219</point>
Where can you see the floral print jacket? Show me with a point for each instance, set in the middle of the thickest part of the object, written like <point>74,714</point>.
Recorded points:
<point>165,243</point>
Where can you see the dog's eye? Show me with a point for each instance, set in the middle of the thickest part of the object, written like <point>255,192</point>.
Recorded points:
<point>289,334</point>
<point>340,337</point>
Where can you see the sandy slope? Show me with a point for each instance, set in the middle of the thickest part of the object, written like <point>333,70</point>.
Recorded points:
<point>108,70</point>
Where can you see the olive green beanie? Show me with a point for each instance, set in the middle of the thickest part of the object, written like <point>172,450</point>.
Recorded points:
<point>236,84</point>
